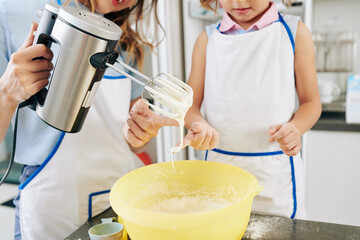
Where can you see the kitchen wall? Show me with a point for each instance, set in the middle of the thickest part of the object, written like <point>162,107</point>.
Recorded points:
<point>347,17</point>
<point>166,58</point>
<point>345,11</point>
<point>331,154</point>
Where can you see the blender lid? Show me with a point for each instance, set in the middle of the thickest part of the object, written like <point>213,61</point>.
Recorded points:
<point>90,22</point>
<point>52,7</point>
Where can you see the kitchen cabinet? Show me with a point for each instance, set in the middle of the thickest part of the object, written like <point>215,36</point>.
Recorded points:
<point>332,162</point>
<point>331,148</point>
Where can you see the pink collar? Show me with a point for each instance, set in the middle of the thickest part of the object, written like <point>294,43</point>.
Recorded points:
<point>270,16</point>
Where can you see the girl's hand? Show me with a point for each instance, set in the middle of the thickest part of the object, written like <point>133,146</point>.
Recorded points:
<point>143,124</point>
<point>24,76</point>
<point>201,136</point>
<point>288,137</point>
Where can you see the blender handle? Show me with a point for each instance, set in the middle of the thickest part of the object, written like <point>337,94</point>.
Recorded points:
<point>40,96</point>
<point>47,21</point>
<point>45,39</point>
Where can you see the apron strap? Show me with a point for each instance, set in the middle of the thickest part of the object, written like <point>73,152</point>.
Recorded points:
<point>294,186</point>
<point>288,32</point>
<point>47,160</point>
<point>114,77</point>
<point>244,154</point>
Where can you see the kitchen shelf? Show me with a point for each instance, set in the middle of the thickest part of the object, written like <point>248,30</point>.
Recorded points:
<point>335,51</point>
<point>333,1</point>
<point>334,71</point>
<point>338,105</point>
<point>334,107</point>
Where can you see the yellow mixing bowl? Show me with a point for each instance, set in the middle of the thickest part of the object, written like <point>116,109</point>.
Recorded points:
<point>135,194</point>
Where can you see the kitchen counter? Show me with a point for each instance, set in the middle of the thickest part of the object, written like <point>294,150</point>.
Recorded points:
<point>262,227</point>
<point>333,117</point>
<point>334,121</point>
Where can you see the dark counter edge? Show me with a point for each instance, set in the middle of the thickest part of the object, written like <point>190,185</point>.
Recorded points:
<point>335,121</point>
<point>82,231</point>
<point>281,228</point>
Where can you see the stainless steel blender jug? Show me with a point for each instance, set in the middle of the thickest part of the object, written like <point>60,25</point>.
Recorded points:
<point>87,42</point>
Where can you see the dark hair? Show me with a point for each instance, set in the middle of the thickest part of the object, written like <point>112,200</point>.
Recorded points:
<point>132,40</point>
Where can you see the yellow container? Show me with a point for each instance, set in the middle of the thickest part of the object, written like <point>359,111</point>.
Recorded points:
<point>213,184</point>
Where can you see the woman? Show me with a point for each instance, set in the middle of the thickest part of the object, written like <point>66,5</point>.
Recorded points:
<point>66,178</point>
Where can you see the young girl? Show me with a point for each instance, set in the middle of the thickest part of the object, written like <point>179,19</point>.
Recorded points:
<point>246,72</point>
<point>66,178</point>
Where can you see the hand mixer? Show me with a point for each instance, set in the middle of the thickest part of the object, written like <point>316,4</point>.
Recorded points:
<point>166,89</point>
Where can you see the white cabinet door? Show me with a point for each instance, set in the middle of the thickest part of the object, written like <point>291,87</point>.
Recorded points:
<point>333,176</point>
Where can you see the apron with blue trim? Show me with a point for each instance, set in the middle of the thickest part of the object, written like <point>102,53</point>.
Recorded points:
<point>73,183</point>
<point>249,86</point>
<point>77,170</point>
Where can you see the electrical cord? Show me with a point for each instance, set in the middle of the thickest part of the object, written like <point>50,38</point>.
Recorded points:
<point>28,102</point>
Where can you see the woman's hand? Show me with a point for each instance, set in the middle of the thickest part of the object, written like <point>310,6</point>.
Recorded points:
<point>201,136</point>
<point>25,76</point>
<point>288,137</point>
<point>143,124</point>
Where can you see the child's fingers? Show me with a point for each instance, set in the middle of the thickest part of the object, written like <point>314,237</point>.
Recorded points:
<point>274,128</point>
<point>199,139</point>
<point>280,133</point>
<point>206,143</point>
<point>188,139</point>
<point>287,138</point>
<point>196,127</point>
<point>214,140</point>
<point>289,146</point>
<point>293,151</point>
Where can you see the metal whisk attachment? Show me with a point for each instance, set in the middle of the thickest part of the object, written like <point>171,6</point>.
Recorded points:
<point>172,93</point>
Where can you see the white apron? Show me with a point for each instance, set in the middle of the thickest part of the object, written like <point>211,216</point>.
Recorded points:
<point>74,185</point>
<point>249,86</point>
